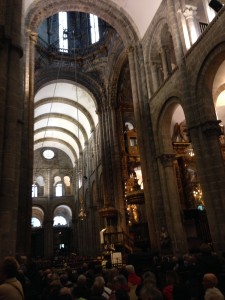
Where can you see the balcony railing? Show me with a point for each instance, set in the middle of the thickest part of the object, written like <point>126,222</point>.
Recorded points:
<point>202,26</point>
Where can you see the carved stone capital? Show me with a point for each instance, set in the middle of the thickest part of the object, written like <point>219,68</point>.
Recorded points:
<point>190,11</point>
<point>129,49</point>
<point>33,37</point>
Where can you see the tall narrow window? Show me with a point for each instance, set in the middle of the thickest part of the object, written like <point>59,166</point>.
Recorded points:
<point>63,30</point>
<point>58,190</point>
<point>94,28</point>
<point>34,190</point>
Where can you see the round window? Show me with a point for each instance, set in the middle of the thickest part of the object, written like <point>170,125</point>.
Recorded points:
<point>48,154</point>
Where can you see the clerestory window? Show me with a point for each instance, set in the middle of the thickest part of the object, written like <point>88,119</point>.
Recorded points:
<point>94,28</point>
<point>63,30</point>
<point>34,190</point>
<point>59,190</point>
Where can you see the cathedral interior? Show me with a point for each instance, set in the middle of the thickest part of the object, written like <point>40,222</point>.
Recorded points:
<point>112,135</point>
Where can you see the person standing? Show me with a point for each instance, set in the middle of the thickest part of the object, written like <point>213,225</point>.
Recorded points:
<point>209,283</point>
<point>10,287</point>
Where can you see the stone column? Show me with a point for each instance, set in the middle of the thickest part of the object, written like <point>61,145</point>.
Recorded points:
<point>11,121</point>
<point>143,123</point>
<point>211,173</point>
<point>209,12</point>
<point>172,206</point>
<point>48,237</point>
<point>164,62</point>
<point>155,77</point>
<point>105,157</point>
<point>117,172</point>
<point>108,212</point>
<point>189,13</point>
<point>174,28</point>
<point>26,170</point>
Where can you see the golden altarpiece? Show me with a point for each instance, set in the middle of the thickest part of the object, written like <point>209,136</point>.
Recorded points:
<point>190,192</point>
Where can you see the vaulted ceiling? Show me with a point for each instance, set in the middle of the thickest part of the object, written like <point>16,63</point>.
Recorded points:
<point>64,117</point>
<point>64,112</point>
<point>139,13</point>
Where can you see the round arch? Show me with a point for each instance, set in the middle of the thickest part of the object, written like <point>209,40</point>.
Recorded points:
<point>65,212</point>
<point>108,12</point>
<point>164,124</point>
<point>204,83</point>
<point>38,212</point>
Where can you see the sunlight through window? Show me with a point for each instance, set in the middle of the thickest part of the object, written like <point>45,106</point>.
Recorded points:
<point>58,190</point>
<point>63,29</point>
<point>35,222</point>
<point>94,29</point>
<point>34,190</point>
<point>59,221</point>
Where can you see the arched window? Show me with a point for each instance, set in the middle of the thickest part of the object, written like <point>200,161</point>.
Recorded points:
<point>35,222</point>
<point>58,190</point>
<point>67,185</point>
<point>37,218</point>
<point>59,221</point>
<point>34,190</point>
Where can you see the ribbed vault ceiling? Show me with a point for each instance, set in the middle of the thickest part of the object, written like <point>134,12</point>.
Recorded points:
<point>64,118</point>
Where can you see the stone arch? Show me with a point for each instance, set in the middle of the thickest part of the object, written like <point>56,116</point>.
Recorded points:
<point>167,42</point>
<point>65,211</point>
<point>153,54</point>
<point>204,84</point>
<point>150,33</point>
<point>39,213</point>
<point>91,86</point>
<point>68,102</point>
<point>115,76</point>
<point>108,12</point>
<point>62,130</point>
<point>164,125</point>
<point>156,39</point>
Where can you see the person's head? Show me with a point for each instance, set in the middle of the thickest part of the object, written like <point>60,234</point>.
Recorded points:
<point>149,278</point>
<point>213,294</point>
<point>99,280</point>
<point>149,292</point>
<point>119,280</point>
<point>130,269</point>
<point>209,280</point>
<point>8,267</point>
<point>98,286</point>
<point>81,280</point>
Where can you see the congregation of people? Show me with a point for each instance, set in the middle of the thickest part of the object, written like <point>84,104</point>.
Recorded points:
<point>190,277</point>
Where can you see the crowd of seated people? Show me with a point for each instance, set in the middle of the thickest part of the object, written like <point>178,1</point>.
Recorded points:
<point>191,277</point>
